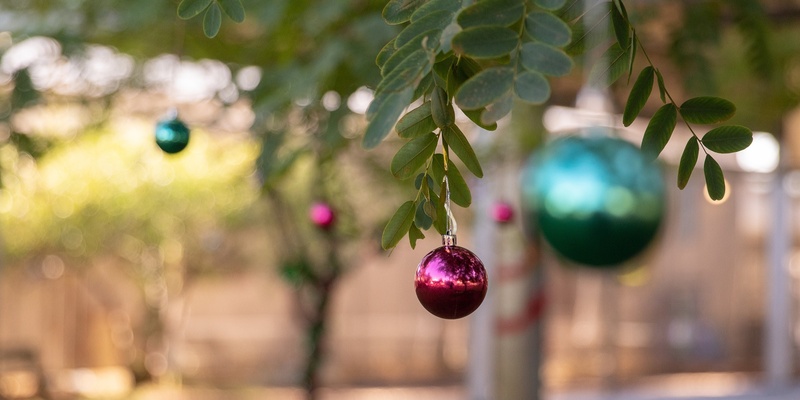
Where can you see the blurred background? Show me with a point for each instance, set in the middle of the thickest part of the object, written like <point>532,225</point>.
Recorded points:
<point>130,273</point>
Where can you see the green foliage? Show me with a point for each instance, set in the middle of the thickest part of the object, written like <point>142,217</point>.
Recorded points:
<point>212,19</point>
<point>67,204</point>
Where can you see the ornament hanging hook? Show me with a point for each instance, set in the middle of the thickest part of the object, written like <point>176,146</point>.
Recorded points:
<point>449,237</point>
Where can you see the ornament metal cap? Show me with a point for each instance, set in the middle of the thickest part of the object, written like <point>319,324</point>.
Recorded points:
<point>448,239</point>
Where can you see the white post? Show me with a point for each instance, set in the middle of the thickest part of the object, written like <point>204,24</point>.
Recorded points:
<point>480,369</point>
<point>778,338</point>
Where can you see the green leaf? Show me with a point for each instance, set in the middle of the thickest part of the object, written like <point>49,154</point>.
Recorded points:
<point>386,52</point>
<point>631,55</point>
<point>441,110</point>
<point>707,110</point>
<point>550,4</point>
<point>662,88</point>
<point>688,162</point>
<point>621,28</point>
<point>415,234</point>
<point>385,110</point>
<point>728,139</point>
<point>421,218</point>
<point>715,179</point>
<point>459,190</point>
<point>532,87</point>
<point>639,95</point>
<point>435,21</point>
<point>485,88</point>
<point>457,142</point>
<point>491,12</point>
<point>497,110</point>
<point>437,167</point>
<point>659,130</point>
<point>610,67</point>
<point>407,73</point>
<point>212,21</point>
<point>590,29</point>
<point>547,28</point>
<point>475,117</point>
<point>416,122</point>
<point>398,11</point>
<point>233,9</point>
<point>451,6</point>
<point>398,225</point>
<point>413,155</point>
<point>412,48</point>
<point>192,8</point>
<point>440,221</point>
<point>546,59</point>
<point>485,42</point>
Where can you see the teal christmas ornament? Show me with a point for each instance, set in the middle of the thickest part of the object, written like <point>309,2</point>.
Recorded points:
<point>595,199</point>
<point>172,135</point>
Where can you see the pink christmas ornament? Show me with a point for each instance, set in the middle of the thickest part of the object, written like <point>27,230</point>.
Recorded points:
<point>322,215</point>
<point>502,212</point>
<point>451,281</point>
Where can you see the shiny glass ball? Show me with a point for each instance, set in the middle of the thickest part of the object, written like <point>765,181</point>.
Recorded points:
<point>502,212</point>
<point>172,135</point>
<point>451,282</point>
<point>596,200</point>
<point>322,215</point>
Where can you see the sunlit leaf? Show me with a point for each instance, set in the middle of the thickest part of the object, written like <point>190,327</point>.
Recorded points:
<point>233,9</point>
<point>545,59</point>
<point>441,110</point>
<point>659,130</point>
<point>463,149</point>
<point>485,42</point>
<point>398,11</point>
<point>492,12</point>
<point>715,179</point>
<point>386,109</point>
<point>707,110</point>
<point>416,122</point>
<point>688,162</point>
<point>548,28</point>
<point>413,155</point>
<point>610,67</point>
<point>485,88</point>
<point>398,225</point>
<point>532,87</point>
<point>639,95</point>
<point>728,139</point>
<point>191,8</point>
<point>212,21</point>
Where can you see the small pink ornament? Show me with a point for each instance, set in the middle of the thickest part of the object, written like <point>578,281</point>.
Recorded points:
<point>451,281</point>
<point>322,215</point>
<point>502,212</point>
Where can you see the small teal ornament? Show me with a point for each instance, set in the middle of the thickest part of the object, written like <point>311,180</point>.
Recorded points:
<point>596,199</point>
<point>172,135</point>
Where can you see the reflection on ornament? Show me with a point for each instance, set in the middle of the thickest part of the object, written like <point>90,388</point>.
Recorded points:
<point>322,215</point>
<point>451,281</point>
<point>172,135</point>
<point>502,212</point>
<point>596,200</point>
